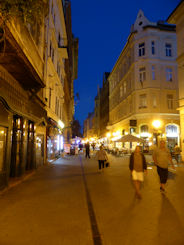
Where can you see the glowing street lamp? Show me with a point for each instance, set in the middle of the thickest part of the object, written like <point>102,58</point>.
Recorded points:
<point>156,125</point>
<point>108,135</point>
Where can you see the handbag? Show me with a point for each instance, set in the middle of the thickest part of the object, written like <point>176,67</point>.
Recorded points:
<point>107,164</point>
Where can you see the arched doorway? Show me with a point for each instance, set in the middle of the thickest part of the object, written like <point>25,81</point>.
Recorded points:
<point>172,135</point>
<point>145,135</point>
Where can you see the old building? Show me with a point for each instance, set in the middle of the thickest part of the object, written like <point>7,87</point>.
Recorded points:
<point>56,54</point>
<point>144,86</point>
<point>104,105</point>
<point>89,127</point>
<point>22,113</point>
<point>71,70</point>
<point>59,66</point>
<point>177,17</point>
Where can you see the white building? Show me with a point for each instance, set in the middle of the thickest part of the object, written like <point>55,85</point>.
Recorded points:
<point>143,83</point>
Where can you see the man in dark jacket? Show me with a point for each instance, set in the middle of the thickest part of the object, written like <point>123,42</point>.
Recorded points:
<point>87,149</point>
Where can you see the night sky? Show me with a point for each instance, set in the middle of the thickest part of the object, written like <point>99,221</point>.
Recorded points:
<point>102,27</point>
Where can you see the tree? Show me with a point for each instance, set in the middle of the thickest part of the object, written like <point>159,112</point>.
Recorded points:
<point>28,11</point>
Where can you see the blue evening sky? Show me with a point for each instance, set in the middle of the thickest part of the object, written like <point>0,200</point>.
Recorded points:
<point>102,27</point>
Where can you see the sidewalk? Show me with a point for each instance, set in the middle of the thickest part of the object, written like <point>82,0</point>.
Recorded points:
<point>71,203</point>
<point>49,208</point>
<point>122,219</point>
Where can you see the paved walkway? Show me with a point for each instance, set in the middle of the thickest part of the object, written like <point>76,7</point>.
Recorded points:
<point>71,203</point>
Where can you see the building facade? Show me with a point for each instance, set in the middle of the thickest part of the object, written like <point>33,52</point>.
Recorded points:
<point>61,58</point>
<point>177,18</point>
<point>89,127</point>
<point>22,112</point>
<point>104,105</point>
<point>71,70</point>
<point>144,86</point>
<point>56,55</point>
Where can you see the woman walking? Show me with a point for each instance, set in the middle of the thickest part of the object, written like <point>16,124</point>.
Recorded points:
<point>137,167</point>
<point>101,157</point>
<point>162,157</point>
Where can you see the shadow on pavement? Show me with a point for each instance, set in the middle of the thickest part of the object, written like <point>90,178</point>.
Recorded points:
<point>170,230</point>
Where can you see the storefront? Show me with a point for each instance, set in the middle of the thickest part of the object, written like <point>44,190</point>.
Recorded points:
<point>172,135</point>
<point>55,142</point>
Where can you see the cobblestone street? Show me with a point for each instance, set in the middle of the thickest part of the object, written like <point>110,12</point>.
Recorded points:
<point>70,203</point>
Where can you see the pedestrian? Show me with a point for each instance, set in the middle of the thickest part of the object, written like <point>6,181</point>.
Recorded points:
<point>161,158</point>
<point>177,151</point>
<point>137,167</point>
<point>101,157</point>
<point>93,146</point>
<point>87,146</point>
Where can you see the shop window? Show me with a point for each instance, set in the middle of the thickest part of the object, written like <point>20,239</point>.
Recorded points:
<point>172,131</point>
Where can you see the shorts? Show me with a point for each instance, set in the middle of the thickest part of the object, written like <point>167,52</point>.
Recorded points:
<point>137,175</point>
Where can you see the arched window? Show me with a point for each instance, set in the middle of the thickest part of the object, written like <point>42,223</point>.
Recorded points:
<point>171,131</point>
<point>144,129</point>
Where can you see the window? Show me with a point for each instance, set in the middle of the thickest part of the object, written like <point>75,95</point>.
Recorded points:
<point>58,68</point>
<point>170,101</point>
<point>142,101</point>
<point>171,131</point>
<point>154,99</point>
<point>142,74</point>
<point>153,72</point>
<point>53,55</point>
<point>153,47</point>
<point>56,103</point>
<point>121,91</point>
<point>50,49</point>
<point>169,76</point>
<point>168,49</point>
<point>124,87</point>
<point>144,129</point>
<point>52,10</point>
<point>141,49</point>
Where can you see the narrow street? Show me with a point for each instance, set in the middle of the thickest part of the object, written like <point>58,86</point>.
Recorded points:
<point>70,203</point>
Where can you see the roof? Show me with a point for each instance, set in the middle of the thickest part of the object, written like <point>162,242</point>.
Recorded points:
<point>175,10</point>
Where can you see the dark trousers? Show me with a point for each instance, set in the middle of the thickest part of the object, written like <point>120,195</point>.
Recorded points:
<point>163,174</point>
<point>101,163</point>
<point>177,157</point>
<point>87,154</point>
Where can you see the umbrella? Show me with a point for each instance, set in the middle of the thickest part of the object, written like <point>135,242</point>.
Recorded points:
<point>130,138</point>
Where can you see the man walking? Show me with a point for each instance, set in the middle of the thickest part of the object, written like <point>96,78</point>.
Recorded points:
<point>87,146</point>
<point>162,157</point>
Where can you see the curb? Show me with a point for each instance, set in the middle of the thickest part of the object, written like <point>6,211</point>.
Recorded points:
<point>17,182</point>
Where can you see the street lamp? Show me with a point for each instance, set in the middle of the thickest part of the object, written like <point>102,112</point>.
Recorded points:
<point>156,125</point>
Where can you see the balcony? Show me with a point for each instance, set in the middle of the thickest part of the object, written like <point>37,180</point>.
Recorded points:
<point>20,57</point>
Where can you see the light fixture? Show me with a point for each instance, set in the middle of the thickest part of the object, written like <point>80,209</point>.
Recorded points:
<point>156,124</point>
<point>61,124</point>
